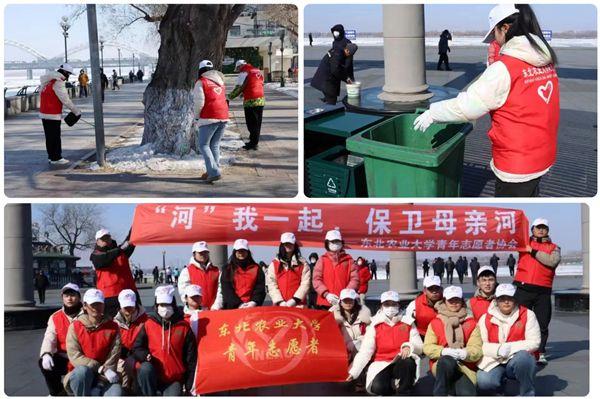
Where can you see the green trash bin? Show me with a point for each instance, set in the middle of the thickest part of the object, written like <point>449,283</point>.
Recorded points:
<point>402,162</point>
<point>335,173</point>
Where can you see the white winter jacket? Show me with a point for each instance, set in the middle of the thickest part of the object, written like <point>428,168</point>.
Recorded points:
<point>60,89</point>
<point>198,94</point>
<point>273,286</point>
<point>352,333</point>
<point>490,91</point>
<point>50,341</point>
<point>531,342</point>
<point>184,280</point>
<point>368,348</point>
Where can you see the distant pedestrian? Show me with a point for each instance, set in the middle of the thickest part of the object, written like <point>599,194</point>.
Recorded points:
<point>374,269</point>
<point>211,113</point>
<point>155,274</point>
<point>250,84</point>
<point>169,274</point>
<point>474,266</point>
<point>175,275</point>
<point>494,263</point>
<point>83,83</point>
<point>425,268</point>
<point>115,80</point>
<point>53,96</point>
<point>387,270</point>
<point>41,284</point>
<point>103,82</point>
<point>438,268</point>
<point>364,275</point>
<point>510,262</point>
<point>461,268</point>
<point>310,39</point>
<point>443,50</point>
<point>450,265</point>
<point>131,76</point>
<point>140,75</point>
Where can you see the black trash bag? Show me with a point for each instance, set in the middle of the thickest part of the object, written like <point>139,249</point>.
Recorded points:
<point>72,119</point>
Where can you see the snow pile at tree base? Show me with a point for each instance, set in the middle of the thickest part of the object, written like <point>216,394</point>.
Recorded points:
<point>136,158</point>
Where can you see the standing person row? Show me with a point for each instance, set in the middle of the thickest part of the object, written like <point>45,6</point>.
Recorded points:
<point>53,96</point>
<point>525,111</point>
<point>113,271</point>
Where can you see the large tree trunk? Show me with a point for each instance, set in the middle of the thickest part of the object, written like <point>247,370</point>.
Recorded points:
<point>189,33</point>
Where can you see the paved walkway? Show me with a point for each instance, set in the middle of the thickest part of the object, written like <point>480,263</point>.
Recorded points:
<point>269,172</point>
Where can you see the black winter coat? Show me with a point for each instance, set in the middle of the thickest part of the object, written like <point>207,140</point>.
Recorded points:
<point>230,299</point>
<point>339,43</point>
<point>443,43</point>
<point>330,73</point>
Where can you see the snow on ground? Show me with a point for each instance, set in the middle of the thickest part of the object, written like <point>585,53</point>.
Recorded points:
<point>289,89</point>
<point>466,41</point>
<point>131,157</point>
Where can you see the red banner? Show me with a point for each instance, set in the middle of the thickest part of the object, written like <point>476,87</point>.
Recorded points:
<point>382,227</point>
<point>266,346</point>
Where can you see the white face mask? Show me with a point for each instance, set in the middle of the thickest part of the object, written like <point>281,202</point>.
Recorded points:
<point>336,34</point>
<point>165,311</point>
<point>391,311</point>
<point>335,247</point>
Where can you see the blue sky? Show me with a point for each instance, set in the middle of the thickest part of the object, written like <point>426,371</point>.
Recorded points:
<point>367,18</point>
<point>565,220</point>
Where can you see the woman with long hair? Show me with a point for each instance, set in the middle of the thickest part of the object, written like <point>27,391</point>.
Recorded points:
<point>242,279</point>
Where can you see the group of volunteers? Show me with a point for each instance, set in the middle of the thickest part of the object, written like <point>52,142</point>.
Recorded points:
<point>210,107</point>
<point>104,342</point>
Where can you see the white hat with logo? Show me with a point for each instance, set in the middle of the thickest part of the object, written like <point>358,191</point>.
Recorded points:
<point>505,290</point>
<point>205,64</point>
<point>485,269</point>
<point>348,293</point>
<point>101,233</point>
<point>240,243</point>
<point>200,246</point>
<point>333,235</point>
<point>69,286</point>
<point>497,14</point>
<point>127,298</point>
<point>193,290</point>
<point>164,294</point>
<point>66,68</point>
<point>432,281</point>
<point>453,292</point>
<point>288,238</point>
<point>93,295</point>
<point>540,222</point>
<point>390,296</point>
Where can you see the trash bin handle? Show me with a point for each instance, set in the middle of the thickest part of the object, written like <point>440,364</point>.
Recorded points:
<point>420,110</point>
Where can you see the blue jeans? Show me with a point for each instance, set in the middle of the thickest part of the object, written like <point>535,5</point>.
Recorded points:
<point>521,368</point>
<point>149,385</point>
<point>209,141</point>
<point>83,382</point>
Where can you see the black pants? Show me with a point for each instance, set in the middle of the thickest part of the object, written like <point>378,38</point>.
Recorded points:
<point>511,270</point>
<point>83,90</point>
<point>449,276</point>
<point>541,305</point>
<point>426,272</point>
<point>444,59</point>
<point>111,304</point>
<point>42,294</point>
<point>529,188</point>
<point>403,370</point>
<point>53,143</point>
<point>331,100</point>
<point>253,122</point>
<point>461,276</point>
<point>54,377</point>
<point>474,275</point>
<point>449,380</point>
<point>311,299</point>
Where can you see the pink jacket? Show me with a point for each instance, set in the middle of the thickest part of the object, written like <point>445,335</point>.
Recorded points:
<point>318,284</point>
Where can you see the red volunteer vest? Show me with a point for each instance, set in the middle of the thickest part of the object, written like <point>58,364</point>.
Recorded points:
<point>244,282</point>
<point>440,332</point>
<point>166,349</point>
<point>129,335</point>
<point>115,278</point>
<point>364,275</point>
<point>49,102</point>
<point>531,271</point>
<point>96,344</point>
<point>254,88</point>
<point>208,280</point>
<point>479,306</point>
<point>61,325</point>
<point>389,340</point>
<point>524,130</point>
<point>288,280</point>
<point>423,314</point>
<point>215,101</point>
<point>516,332</point>
<point>336,277</point>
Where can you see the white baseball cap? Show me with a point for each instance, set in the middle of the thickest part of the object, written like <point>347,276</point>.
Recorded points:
<point>288,238</point>
<point>164,294</point>
<point>193,290</point>
<point>431,281</point>
<point>485,269</point>
<point>239,63</point>
<point>127,298</point>
<point>348,293</point>
<point>497,14</point>
<point>200,246</point>
<point>333,235</point>
<point>205,64</point>
<point>540,221</point>
<point>101,233</point>
<point>66,68</point>
<point>505,290</point>
<point>93,295</point>
<point>69,286</point>
<point>390,296</point>
<point>453,292</point>
<point>240,243</point>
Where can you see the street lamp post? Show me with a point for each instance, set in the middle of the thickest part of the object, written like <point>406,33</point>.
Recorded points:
<point>119,51</point>
<point>164,264</point>
<point>65,25</point>
<point>281,37</point>
<point>270,77</point>
<point>102,52</point>
<point>133,62</point>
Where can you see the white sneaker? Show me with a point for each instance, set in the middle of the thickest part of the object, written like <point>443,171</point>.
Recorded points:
<point>61,161</point>
<point>542,359</point>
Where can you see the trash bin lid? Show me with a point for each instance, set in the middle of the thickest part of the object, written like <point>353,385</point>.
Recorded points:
<point>343,124</point>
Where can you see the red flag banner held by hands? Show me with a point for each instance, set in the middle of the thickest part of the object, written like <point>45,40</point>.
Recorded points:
<point>384,227</point>
<point>267,346</point>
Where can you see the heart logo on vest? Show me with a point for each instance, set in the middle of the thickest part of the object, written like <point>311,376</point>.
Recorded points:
<point>545,91</point>
<point>217,90</point>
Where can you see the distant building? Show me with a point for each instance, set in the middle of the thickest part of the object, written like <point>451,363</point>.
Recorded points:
<point>55,264</point>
